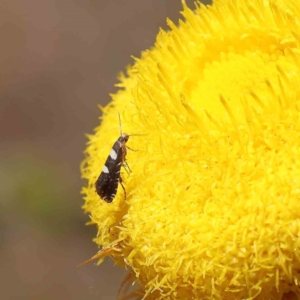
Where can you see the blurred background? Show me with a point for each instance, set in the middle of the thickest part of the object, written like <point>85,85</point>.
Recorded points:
<point>59,59</point>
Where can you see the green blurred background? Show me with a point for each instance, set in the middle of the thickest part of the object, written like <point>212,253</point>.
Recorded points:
<point>59,59</point>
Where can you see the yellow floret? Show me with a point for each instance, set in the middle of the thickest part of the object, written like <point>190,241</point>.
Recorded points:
<point>213,200</point>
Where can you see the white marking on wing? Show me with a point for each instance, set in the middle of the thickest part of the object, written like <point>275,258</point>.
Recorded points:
<point>105,169</point>
<point>113,154</point>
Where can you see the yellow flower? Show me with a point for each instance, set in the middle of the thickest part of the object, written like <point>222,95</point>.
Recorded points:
<point>213,200</point>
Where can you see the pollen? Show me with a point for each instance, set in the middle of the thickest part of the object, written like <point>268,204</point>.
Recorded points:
<point>213,193</point>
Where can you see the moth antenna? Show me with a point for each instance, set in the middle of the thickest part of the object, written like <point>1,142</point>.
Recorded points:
<point>121,131</point>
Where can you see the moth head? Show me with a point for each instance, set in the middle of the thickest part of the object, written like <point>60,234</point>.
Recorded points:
<point>125,137</point>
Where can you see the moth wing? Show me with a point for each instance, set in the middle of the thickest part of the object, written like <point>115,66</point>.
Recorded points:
<point>110,190</point>
<point>107,183</point>
<point>101,184</point>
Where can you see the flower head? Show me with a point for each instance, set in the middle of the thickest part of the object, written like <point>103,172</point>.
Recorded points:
<point>213,196</point>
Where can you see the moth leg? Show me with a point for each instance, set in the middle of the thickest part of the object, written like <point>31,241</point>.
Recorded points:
<point>131,149</point>
<point>125,164</point>
<point>121,182</point>
<point>126,167</point>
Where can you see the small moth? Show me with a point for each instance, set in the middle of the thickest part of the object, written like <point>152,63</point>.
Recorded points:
<point>107,183</point>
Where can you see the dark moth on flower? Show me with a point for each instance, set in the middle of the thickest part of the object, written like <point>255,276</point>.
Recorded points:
<point>107,183</point>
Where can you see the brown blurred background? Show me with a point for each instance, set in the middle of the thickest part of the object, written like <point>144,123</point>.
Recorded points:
<point>59,59</point>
